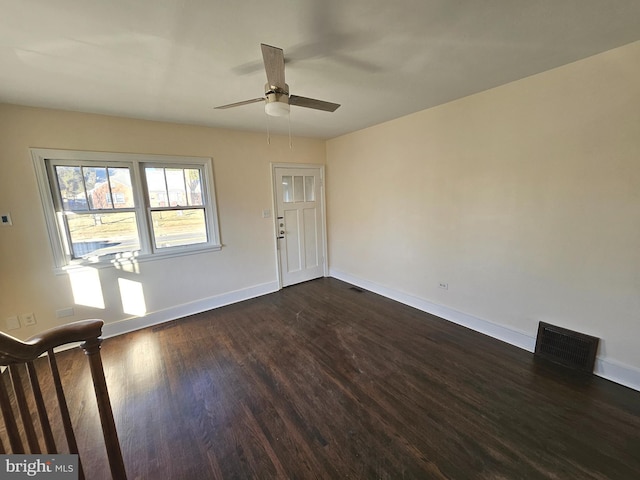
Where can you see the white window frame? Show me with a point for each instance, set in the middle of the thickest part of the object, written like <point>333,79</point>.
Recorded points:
<point>136,162</point>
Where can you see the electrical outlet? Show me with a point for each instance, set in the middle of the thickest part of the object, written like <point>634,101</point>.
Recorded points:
<point>12,323</point>
<point>444,286</point>
<point>5,219</point>
<point>28,319</point>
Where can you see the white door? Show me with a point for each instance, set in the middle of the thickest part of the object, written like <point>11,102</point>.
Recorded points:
<point>299,223</point>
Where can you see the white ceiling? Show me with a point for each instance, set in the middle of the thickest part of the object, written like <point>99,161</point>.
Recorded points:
<point>174,60</point>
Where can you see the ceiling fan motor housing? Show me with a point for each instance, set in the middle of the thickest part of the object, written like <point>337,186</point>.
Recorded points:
<point>276,101</point>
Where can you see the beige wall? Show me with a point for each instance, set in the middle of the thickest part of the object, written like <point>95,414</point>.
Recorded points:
<point>171,287</point>
<point>525,199</point>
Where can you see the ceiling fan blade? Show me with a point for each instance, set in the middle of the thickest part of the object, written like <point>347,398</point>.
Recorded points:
<point>313,103</point>
<point>274,66</point>
<point>239,104</point>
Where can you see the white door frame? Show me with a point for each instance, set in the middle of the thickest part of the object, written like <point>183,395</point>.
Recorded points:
<point>323,210</point>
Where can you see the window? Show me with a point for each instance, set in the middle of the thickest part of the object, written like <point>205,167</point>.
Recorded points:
<point>176,205</point>
<point>298,188</point>
<point>101,206</point>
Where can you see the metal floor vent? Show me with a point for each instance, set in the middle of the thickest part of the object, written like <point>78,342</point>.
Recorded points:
<point>572,349</point>
<point>356,289</point>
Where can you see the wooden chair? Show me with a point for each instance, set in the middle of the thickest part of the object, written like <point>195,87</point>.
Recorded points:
<point>15,355</point>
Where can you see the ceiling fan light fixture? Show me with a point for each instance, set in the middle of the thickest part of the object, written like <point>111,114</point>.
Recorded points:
<point>276,107</point>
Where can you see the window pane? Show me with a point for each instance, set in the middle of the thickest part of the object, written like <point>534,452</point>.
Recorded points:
<point>121,190</point>
<point>287,188</point>
<point>178,227</point>
<point>156,187</point>
<point>71,188</point>
<point>309,189</point>
<point>298,189</point>
<point>103,234</point>
<point>97,187</point>
<point>194,186</point>
<point>175,187</point>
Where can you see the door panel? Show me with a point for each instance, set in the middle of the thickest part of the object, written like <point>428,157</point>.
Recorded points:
<point>292,237</point>
<point>310,220</point>
<point>300,221</point>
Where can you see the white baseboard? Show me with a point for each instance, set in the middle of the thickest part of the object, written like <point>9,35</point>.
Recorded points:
<point>180,311</point>
<point>606,368</point>
<point>618,372</point>
<point>508,335</point>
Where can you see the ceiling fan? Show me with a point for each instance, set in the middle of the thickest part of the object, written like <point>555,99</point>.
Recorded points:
<point>276,96</point>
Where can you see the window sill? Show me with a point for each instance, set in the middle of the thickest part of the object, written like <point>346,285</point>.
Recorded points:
<point>121,261</point>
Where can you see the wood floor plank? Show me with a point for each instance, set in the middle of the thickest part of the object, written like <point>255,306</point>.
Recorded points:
<point>320,381</point>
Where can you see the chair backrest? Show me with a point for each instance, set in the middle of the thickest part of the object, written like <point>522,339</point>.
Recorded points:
<point>19,356</point>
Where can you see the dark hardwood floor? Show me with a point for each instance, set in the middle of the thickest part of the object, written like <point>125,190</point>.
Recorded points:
<point>322,381</point>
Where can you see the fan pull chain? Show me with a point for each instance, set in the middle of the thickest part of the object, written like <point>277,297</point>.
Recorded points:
<point>268,133</point>
<point>289,122</point>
